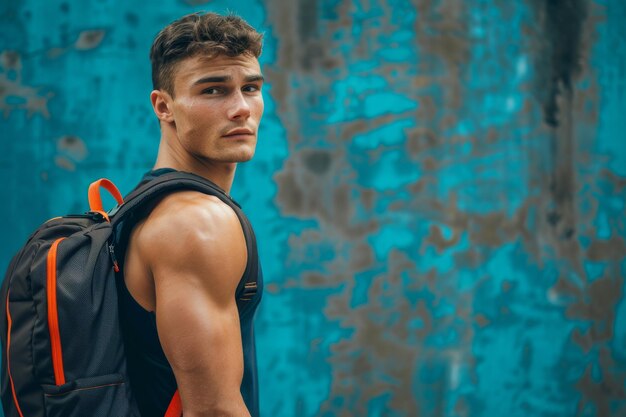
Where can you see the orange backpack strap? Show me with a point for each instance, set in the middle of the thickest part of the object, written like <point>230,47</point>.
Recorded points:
<point>175,409</point>
<point>95,201</point>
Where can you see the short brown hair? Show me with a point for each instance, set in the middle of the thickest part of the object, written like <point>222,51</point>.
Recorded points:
<point>200,33</point>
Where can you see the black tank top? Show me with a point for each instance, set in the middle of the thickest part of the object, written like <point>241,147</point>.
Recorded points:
<point>151,377</point>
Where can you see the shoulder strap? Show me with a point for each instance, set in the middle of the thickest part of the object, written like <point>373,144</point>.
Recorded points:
<point>146,193</point>
<point>163,185</point>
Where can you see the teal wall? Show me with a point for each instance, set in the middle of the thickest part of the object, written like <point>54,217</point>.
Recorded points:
<point>439,189</point>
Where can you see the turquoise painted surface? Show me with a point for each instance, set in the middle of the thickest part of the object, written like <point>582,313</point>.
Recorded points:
<point>439,189</point>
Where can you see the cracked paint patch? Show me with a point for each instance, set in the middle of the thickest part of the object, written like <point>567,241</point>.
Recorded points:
<point>14,94</point>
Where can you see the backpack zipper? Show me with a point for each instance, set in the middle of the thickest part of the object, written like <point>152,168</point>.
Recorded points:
<point>53,314</point>
<point>8,358</point>
<point>116,267</point>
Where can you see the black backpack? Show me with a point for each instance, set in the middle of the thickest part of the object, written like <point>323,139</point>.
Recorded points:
<point>63,352</point>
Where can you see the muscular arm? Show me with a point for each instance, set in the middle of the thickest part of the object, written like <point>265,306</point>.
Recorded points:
<point>195,250</point>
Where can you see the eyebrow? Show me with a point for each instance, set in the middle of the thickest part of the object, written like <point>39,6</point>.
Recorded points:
<point>227,78</point>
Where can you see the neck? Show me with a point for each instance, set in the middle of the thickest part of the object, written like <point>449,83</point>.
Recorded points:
<point>221,174</point>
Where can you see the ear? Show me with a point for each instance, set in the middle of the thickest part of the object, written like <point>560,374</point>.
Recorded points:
<point>162,105</point>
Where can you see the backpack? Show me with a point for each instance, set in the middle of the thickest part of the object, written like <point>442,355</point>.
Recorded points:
<point>62,346</point>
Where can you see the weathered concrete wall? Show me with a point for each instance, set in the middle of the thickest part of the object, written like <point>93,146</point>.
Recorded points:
<point>439,189</point>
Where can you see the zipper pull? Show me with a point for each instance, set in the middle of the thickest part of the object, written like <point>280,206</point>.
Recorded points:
<point>116,267</point>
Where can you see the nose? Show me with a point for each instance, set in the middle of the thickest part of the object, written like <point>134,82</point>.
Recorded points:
<point>239,107</point>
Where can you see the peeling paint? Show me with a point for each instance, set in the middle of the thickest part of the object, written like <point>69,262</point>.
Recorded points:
<point>89,39</point>
<point>11,86</point>
<point>438,191</point>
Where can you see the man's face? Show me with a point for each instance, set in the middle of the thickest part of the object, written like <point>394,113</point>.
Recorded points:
<point>217,107</point>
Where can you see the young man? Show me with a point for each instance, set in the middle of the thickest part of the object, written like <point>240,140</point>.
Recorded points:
<point>184,327</point>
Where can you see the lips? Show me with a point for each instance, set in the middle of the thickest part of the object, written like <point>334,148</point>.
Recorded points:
<point>238,132</point>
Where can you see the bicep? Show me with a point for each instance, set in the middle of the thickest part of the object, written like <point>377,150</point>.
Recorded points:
<point>202,341</point>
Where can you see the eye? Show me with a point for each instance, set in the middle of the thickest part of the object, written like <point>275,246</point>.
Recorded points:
<point>251,88</point>
<point>211,91</point>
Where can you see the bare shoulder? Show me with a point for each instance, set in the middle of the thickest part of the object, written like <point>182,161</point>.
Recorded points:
<point>189,233</point>
<point>191,214</point>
